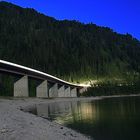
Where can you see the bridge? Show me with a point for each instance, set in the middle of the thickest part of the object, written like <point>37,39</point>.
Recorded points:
<point>50,86</point>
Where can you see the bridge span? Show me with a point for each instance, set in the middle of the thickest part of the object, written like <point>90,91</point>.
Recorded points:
<point>50,86</point>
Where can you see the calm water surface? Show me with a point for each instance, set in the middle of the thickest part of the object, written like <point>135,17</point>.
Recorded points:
<point>107,119</point>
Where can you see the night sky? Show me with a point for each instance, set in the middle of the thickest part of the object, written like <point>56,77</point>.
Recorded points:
<point>123,16</point>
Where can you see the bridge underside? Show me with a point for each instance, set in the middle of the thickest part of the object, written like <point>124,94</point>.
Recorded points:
<point>44,90</point>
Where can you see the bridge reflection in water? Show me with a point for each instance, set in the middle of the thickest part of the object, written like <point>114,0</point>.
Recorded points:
<point>108,119</point>
<point>66,112</point>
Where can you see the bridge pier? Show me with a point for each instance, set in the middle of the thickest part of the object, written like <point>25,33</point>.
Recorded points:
<point>42,90</point>
<point>53,91</point>
<point>61,91</point>
<point>21,88</point>
<point>74,92</point>
<point>67,92</point>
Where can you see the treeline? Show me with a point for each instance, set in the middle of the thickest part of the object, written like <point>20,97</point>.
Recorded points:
<point>68,49</point>
<point>109,88</point>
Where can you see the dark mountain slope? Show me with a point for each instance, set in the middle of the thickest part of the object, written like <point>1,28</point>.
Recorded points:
<point>68,49</point>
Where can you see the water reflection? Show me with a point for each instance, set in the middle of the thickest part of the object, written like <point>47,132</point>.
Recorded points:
<point>108,119</point>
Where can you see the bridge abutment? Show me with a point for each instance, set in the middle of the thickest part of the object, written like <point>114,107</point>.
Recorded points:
<point>84,89</point>
<point>21,88</point>
<point>74,92</point>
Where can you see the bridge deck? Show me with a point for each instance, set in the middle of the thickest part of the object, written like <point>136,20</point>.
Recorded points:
<point>13,68</point>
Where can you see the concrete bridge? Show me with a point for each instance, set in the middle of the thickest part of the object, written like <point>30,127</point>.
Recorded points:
<point>50,86</point>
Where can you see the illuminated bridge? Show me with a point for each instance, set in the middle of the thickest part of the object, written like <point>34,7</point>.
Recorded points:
<point>50,86</point>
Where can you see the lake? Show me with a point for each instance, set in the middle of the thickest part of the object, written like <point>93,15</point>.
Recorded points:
<point>106,119</point>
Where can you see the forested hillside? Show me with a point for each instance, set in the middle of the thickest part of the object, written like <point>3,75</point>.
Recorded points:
<point>67,49</point>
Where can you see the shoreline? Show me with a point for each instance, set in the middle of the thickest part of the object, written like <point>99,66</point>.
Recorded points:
<point>18,125</point>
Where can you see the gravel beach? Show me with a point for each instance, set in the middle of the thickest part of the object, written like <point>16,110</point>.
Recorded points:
<point>18,125</point>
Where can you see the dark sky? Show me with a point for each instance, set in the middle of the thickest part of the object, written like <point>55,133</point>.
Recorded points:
<point>122,16</point>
